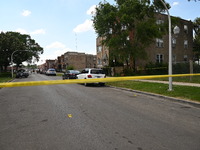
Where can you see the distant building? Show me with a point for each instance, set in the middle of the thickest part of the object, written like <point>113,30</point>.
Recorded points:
<point>79,60</point>
<point>50,63</point>
<point>74,59</point>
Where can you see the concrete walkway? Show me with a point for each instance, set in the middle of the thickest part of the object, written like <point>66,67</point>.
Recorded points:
<point>174,83</point>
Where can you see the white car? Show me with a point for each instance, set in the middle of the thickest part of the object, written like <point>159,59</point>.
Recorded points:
<point>51,72</point>
<point>92,73</point>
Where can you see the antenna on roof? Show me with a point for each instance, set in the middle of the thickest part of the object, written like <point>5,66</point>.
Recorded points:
<point>76,40</point>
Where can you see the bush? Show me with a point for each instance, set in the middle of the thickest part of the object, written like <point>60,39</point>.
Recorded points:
<point>107,71</point>
<point>70,67</point>
<point>184,68</point>
<point>156,69</point>
<point>5,74</point>
<point>181,68</point>
<point>129,72</point>
<point>196,68</point>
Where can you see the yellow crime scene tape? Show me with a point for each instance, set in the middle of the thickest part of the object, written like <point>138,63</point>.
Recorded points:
<point>74,81</point>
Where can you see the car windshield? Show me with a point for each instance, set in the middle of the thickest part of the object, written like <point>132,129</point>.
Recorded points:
<point>21,70</point>
<point>95,71</point>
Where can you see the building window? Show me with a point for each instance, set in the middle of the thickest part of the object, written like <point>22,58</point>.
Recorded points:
<point>99,61</point>
<point>159,21</point>
<point>159,42</point>
<point>185,58</point>
<point>173,42</point>
<point>124,27</point>
<point>110,31</point>
<point>159,58</point>
<point>186,29</point>
<point>174,58</point>
<point>185,44</point>
<point>127,38</point>
<point>99,49</point>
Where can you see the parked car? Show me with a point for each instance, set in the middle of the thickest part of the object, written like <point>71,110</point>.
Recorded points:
<point>51,72</point>
<point>22,73</point>
<point>92,73</point>
<point>70,74</point>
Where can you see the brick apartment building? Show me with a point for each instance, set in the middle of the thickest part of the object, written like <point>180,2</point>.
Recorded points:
<point>74,59</point>
<point>182,46</point>
<point>79,60</point>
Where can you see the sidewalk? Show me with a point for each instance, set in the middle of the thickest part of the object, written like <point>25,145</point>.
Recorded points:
<point>174,83</point>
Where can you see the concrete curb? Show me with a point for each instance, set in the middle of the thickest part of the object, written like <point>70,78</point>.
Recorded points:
<point>193,103</point>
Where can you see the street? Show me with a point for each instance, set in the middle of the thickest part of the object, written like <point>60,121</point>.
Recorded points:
<point>75,117</point>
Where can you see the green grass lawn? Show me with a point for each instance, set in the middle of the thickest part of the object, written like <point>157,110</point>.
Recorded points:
<point>5,77</point>
<point>59,74</point>
<point>183,92</point>
<point>192,79</point>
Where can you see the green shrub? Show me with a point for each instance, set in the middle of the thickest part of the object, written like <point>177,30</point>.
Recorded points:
<point>156,68</point>
<point>70,67</point>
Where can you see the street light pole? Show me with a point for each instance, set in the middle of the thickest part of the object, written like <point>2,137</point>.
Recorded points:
<point>12,59</point>
<point>170,48</point>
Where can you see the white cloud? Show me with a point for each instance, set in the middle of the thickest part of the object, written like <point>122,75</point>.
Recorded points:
<point>53,50</point>
<point>86,26</point>
<point>39,31</point>
<point>175,3</point>
<point>26,13</point>
<point>22,31</point>
<point>91,10</point>
<point>36,32</point>
<point>62,51</point>
<point>56,45</point>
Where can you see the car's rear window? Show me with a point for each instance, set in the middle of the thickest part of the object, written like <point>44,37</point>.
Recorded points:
<point>74,71</point>
<point>51,69</point>
<point>97,71</point>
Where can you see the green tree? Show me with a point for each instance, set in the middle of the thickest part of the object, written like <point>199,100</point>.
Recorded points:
<point>128,27</point>
<point>12,41</point>
<point>70,67</point>
<point>197,38</point>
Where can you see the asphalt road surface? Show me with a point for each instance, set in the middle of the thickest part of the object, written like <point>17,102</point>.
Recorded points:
<point>75,117</point>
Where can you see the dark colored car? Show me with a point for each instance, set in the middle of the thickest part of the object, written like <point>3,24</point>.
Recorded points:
<point>70,74</point>
<point>22,73</point>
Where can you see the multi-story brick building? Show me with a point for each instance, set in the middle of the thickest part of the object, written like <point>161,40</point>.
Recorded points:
<point>79,60</point>
<point>158,51</point>
<point>102,53</point>
<point>73,59</point>
<point>50,63</point>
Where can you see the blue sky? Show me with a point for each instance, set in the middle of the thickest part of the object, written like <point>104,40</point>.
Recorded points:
<point>65,25</point>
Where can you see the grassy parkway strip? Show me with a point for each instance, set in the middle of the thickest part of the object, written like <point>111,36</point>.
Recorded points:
<point>73,81</point>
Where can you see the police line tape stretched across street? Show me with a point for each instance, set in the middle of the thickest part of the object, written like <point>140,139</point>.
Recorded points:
<point>73,81</point>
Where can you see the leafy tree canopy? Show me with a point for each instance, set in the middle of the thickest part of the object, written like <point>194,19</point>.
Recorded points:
<point>197,38</point>
<point>128,27</point>
<point>13,41</point>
